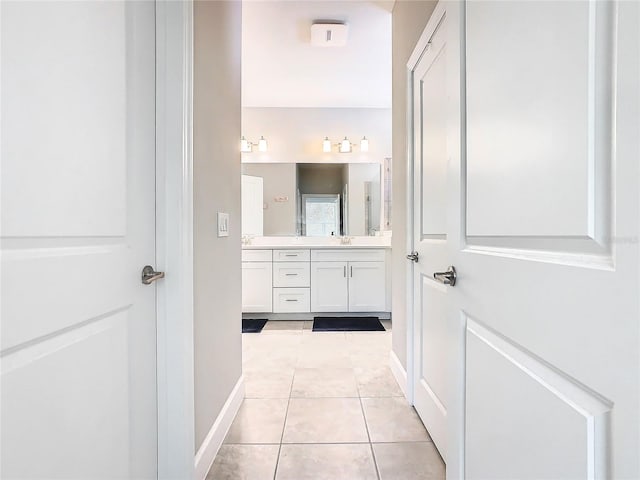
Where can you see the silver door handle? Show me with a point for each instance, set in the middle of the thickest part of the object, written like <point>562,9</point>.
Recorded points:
<point>149,275</point>
<point>448,278</point>
<point>413,256</point>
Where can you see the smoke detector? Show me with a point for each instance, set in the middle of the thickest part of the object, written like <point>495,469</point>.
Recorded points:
<point>329,34</point>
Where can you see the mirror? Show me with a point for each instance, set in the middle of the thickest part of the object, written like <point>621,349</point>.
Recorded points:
<point>311,199</point>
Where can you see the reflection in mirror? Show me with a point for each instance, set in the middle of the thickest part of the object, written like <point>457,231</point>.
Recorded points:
<point>321,215</point>
<point>313,199</point>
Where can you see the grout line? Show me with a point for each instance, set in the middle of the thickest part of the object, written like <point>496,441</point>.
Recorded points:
<point>284,425</point>
<point>366,426</point>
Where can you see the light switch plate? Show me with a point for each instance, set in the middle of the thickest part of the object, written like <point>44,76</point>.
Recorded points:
<point>223,224</point>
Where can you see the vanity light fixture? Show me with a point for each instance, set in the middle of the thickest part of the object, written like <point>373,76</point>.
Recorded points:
<point>345,146</point>
<point>326,145</point>
<point>247,147</point>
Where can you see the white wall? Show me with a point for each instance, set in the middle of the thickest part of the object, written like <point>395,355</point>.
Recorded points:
<point>296,134</point>
<point>409,19</point>
<point>217,307</point>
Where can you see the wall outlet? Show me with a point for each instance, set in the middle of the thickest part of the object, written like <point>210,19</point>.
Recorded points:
<point>223,224</point>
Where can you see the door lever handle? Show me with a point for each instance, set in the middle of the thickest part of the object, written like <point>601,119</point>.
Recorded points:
<point>413,256</point>
<point>448,278</point>
<point>149,275</point>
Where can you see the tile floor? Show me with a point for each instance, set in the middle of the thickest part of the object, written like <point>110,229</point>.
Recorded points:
<point>323,406</point>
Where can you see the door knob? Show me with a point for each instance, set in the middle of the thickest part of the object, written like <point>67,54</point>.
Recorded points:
<point>413,256</point>
<point>448,278</point>
<point>149,275</point>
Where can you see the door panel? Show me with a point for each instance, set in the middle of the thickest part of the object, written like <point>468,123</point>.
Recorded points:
<point>434,146</point>
<point>78,225</point>
<point>329,288</point>
<point>547,115</point>
<point>430,226</point>
<point>257,282</point>
<point>549,276</point>
<point>367,287</point>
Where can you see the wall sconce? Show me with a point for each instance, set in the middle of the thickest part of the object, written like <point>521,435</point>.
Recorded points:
<point>345,146</point>
<point>326,145</point>
<point>247,147</point>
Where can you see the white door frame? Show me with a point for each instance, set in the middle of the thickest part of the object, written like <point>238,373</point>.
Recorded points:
<point>174,238</point>
<point>454,10</point>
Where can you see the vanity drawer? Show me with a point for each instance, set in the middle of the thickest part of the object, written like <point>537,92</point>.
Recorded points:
<point>291,274</point>
<point>291,300</point>
<point>256,255</point>
<point>348,255</point>
<point>291,255</point>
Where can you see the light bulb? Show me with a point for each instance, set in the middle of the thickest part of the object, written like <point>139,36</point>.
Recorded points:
<point>345,146</point>
<point>326,145</point>
<point>262,144</point>
<point>364,144</point>
<point>245,145</point>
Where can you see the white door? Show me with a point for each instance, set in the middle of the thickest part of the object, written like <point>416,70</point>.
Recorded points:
<point>542,327</point>
<point>252,189</point>
<point>257,280</point>
<point>329,287</point>
<point>78,348</point>
<point>430,238</point>
<point>367,287</point>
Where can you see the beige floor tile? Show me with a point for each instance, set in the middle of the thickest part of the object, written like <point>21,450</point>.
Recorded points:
<point>258,421</point>
<point>377,381</point>
<point>283,327</point>
<point>325,420</point>
<point>268,384</point>
<point>409,461</point>
<point>326,462</point>
<point>323,357</point>
<point>324,382</point>
<point>393,420</point>
<point>247,462</point>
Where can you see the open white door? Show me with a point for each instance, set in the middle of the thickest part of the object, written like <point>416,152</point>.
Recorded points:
<point>432,336</point>
<point>543,210</point>
<point>78,225</point>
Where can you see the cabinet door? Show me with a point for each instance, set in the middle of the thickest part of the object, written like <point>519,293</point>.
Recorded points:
<point>257,295</point>
<point>329,287</point>
<point>367,287</point>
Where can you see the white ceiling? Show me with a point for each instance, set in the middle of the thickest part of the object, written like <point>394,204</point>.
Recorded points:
<point>280,68</point>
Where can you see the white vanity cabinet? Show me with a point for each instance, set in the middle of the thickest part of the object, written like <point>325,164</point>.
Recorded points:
<point>314,280</point>
<point>348,280</point>
<point>257,281</point>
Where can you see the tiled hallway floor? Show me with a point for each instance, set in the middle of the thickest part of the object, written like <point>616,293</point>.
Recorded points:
<point>323,406</point>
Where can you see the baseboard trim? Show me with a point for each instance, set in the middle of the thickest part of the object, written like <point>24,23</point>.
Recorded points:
<point>399,373</point>
<point>213,441</point>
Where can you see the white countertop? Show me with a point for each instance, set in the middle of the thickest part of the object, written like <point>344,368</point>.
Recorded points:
<point>262,243</point>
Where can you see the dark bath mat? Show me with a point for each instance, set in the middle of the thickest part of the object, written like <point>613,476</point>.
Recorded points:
<point>253,325</point>
<point>347,324</point>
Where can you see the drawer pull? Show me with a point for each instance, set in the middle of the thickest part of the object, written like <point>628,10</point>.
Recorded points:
<point>290,254</point>
<point>290,300</point>
<point>291,274</point>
